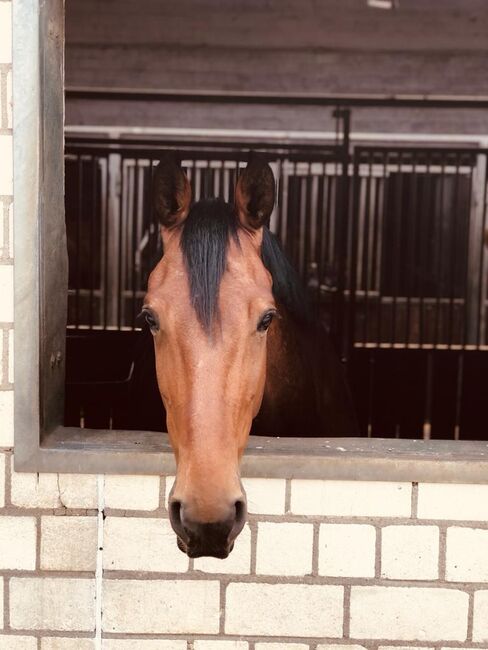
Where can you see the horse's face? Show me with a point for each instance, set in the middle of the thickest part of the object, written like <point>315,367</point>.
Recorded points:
<point>211,375</point>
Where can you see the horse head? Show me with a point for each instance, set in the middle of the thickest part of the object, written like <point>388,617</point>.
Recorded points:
<point>209,305</point>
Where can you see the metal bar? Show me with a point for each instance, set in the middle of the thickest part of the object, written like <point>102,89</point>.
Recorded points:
<point>482,279</point>
<point>350,322</point>
<point>118,221</point>
<point>440,239</point>
<point>366,262</point>
<point>79,218</point>
<point>92,235</point>
<point>453,255</point>
<point>135,214</point>
<point>272,98</point>
<point>410,245</point>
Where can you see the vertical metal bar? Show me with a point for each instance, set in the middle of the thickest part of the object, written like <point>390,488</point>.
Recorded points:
<point>425,252</point>
<point>376,264</point>
<point>467,329</point>
<point>342,237</point>
<point>410,244</point>
<point>459,394</point>
<point>319,233</point>
<point>483,243</point>
<point>279,202</point>
<point>397,236</point>
<point>352,251</point>
<point>453,223</point>
<point>92,235</point>
<point>79,217</point>
<point>366,244</point>
<point>427,429</point>
<point>381,239</point>
<point>107,214</point>
<point>308,224</point>
<point>440,239</point>
<point>123,209</point>
<point>135,242</point>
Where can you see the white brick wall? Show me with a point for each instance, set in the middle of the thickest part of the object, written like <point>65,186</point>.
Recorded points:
<point>284,549</point>
<point>409,613</point>
<point>347,550</point>
<point>65,643</point>
<point>467,555</point>
<point>265,496</point>
<point>282,646</point>
<point>480,616</point>
<point>62,604</point>
<point>143,644</point>
<point>7,418</point>
<point>284,610</point>
<point>220,645</point>
<point>161,606</point>
<point>351,499</point>
<point>451,501</point>
<point>132,492</point>
<point>68,543</point>
<point>410,552</point>
<point>124,537</point>
<point>9,642</point>
<point>18,543</point>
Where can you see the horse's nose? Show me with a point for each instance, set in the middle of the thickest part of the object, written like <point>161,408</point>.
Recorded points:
<point>199,538</point>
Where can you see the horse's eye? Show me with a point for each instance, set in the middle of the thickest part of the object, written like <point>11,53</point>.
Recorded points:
<point>265,321</point>
<point>151,320</point>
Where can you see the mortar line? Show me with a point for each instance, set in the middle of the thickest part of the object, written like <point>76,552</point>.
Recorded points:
<point>377,551</point>
<point>315,549</point>
<point>99,564</point>
<point>414,500</point>
<point>253,527</point>
<point>469,631</point>
<point>346,624</point>
<point>6,603</point>
<point>288,495</point>
<point>8,478</point>
<point>222,595</point>
<point>442,552</point>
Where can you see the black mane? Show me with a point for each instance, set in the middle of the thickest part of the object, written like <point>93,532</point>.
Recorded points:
<point>204,242</point>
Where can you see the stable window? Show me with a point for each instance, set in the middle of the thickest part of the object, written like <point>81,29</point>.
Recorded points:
<point>346,262</point>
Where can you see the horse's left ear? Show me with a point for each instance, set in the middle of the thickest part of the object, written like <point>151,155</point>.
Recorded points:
<point>255,194</point>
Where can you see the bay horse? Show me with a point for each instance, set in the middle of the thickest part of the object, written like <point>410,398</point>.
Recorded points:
<point>235,348</point>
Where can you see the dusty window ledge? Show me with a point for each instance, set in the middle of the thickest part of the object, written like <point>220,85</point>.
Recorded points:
<point>145,452</point>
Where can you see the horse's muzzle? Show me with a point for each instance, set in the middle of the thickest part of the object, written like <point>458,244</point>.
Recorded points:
<point>215,539</point>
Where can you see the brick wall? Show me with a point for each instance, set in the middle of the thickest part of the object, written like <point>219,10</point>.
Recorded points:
<point>320,564</point>
<point>90,562</point>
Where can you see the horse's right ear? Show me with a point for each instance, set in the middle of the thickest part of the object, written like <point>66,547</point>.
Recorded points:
<point>171,191</point>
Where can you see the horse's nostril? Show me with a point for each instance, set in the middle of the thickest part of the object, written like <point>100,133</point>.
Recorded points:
<point>175,508</point>
<point>240,518</point>
<point>241,509</point>
<point>175,511</point>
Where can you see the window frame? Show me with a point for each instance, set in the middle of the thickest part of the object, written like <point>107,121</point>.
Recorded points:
<point>42,443</point>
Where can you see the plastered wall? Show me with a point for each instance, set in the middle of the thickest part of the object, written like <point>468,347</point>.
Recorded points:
<point>90,562</point>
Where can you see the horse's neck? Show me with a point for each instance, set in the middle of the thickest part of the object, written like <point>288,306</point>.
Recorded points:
<point>288,393</point>
<point>305,392</point>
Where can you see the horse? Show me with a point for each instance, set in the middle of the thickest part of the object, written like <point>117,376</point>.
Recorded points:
<point>235,349</point>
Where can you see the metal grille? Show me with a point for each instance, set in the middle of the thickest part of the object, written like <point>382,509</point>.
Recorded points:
<point>390,242</point>
<point>113,236</point>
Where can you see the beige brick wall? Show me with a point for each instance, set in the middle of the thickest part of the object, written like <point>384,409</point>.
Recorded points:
<point>90,563</point>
